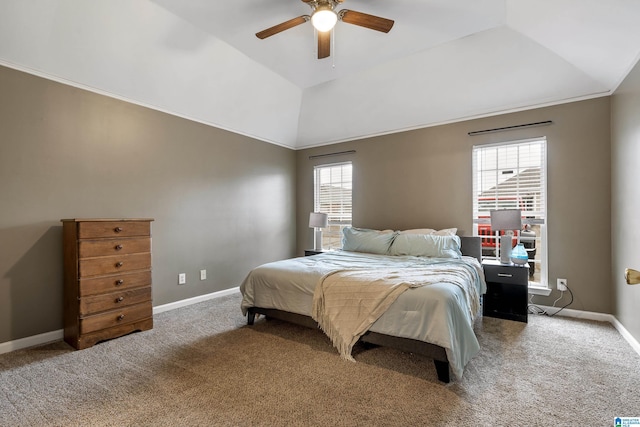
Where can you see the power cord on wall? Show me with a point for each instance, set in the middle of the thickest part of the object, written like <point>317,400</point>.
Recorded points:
<point>534,309</point>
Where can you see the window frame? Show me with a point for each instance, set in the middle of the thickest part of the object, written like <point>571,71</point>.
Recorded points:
<point>332,238</point>
<point>538,208</point>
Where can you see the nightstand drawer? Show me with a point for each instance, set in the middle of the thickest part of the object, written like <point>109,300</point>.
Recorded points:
<point>513,275</point>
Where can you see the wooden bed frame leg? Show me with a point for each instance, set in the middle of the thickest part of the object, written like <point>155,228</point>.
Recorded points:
<point>251,317</point>
<point>442,369</point>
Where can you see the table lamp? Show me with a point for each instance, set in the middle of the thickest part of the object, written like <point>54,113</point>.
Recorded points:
<point>506,220</point>
<point>318,220</point>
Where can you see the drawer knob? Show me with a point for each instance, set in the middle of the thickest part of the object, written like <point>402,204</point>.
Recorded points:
<point>118,247</point>
<point>121,317</point>
<point>119,264</point>
<point>119,282</point>
<point>117,229</point>
<point>119,299</point>
<point>504,275</point>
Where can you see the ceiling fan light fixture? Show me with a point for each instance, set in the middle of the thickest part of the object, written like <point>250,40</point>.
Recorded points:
<point>324,18</point>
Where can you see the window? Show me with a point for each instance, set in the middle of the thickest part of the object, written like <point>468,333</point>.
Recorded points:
<point>332,195</point>
<point>513,176</point>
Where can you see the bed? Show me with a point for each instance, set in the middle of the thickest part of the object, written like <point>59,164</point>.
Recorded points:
<point>434,320</point>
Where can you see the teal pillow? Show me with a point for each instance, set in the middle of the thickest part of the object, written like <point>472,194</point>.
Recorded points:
<point>426,245</point>
<point>365,240</point>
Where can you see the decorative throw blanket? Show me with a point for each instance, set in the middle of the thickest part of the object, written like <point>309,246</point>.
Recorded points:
<point>347,302</point>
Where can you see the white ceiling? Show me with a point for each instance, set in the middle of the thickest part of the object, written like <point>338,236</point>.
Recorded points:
<point>443,61</point>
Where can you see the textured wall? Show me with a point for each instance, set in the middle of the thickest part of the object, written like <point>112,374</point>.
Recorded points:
<point>625,198</point>
<point>221,201</point>
<point>422,178</point>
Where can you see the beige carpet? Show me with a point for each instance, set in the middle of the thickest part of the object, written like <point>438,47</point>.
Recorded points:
<point>201,366</point>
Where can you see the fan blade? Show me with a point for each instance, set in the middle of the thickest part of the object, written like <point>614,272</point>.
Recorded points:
<point>283,26</point>
<point>366,20</point>
<point>324,44</point>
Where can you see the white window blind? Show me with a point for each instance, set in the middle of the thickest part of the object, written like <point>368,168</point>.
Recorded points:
<point>333,187</point>
<point>513,176</point>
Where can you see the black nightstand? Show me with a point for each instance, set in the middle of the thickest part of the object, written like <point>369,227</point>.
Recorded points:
<point>507,290</point>
<point>309,252</point>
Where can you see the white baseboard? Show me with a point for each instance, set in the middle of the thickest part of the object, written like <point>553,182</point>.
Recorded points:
<point>578,314</point>
<point>626,335</point>
<point>601,317</point>
<point>58,335</point>
<point>31,341</point>
<point>195,300</point>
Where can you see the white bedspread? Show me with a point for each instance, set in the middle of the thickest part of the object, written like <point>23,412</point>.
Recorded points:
<point>440,313</point>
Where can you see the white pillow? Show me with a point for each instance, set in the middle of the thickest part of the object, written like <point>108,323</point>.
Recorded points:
<point>365,240</point>
<point>443,232</point>
<point>426,245</point>
<point>419,231</point>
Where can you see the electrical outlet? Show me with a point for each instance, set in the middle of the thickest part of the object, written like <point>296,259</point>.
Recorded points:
<point>182,278</point>
<point>561,284</point>
<point>203,274</point>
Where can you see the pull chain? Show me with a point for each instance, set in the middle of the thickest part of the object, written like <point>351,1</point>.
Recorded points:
<point>315,42</point>
<point>333,48</point>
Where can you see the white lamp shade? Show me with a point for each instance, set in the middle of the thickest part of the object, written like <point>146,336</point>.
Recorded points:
<point>318,220</point>
<point>324,19</point>
<point>506,219</point>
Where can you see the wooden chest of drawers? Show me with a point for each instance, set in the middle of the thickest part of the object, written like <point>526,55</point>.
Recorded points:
<point>107,279</point>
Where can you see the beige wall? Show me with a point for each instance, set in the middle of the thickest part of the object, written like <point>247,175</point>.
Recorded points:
<point>625,199</point>
<point>221,201</point>
<point>68,153</point>
<point>422,178</point>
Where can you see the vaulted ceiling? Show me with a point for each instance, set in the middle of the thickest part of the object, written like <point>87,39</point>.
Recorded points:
<point>443,61</point>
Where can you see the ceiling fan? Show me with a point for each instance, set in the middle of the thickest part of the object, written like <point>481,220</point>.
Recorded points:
<point>324,17</point>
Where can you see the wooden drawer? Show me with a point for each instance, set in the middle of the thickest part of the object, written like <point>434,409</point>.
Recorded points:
<point>94,248</point>
<point>100,229</point>
<point>114,300</point>
<point>114,264</point>
<point>113,318</point>
<point>100,285</point>
<point>514,275</point>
